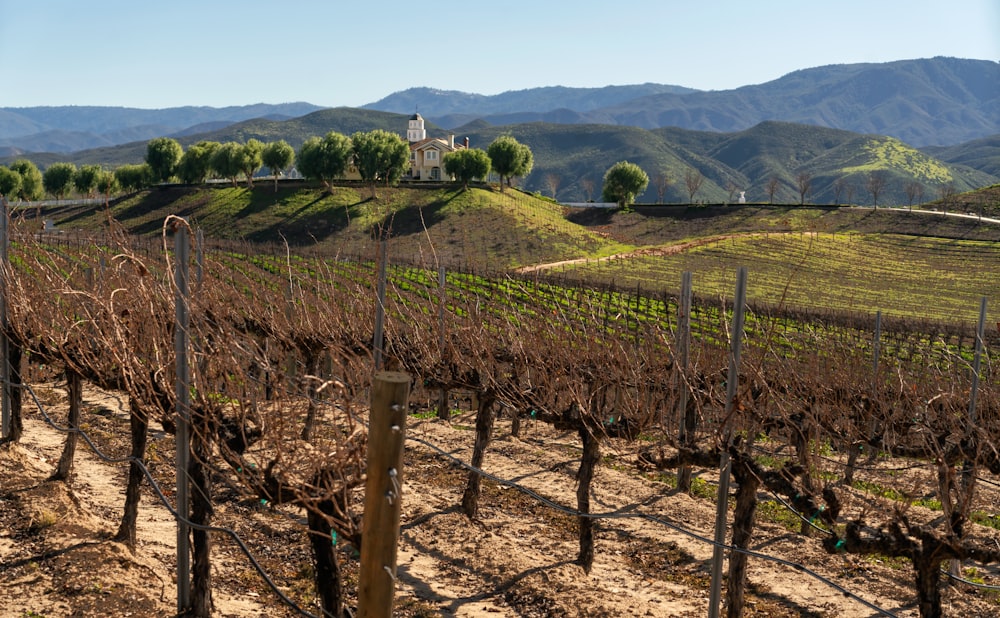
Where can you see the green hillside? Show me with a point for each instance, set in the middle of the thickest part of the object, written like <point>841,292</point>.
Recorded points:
<point>480,228</point>
<point>909,264</point>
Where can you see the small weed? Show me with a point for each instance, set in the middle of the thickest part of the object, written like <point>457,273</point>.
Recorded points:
<point>41,519</point>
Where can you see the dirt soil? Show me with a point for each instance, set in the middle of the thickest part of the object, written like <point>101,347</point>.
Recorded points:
<point>518,559</point>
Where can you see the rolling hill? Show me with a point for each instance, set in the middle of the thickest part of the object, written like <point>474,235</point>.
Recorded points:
<point>483,230</point>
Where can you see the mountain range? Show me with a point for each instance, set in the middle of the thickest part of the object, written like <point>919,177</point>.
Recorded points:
<point>735,140</point>
<point>938,101</point>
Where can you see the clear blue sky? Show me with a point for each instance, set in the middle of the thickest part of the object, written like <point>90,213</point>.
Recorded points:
<point>155,54</point>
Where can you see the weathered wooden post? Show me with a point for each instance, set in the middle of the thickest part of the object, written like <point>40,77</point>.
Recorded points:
<point>682,362</point>
<point>6,429</point>
<point>725,465</point>
<point>383,494</point>
<point>182,391</point>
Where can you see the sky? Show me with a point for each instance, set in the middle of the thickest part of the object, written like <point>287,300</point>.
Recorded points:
<point>158,54</point>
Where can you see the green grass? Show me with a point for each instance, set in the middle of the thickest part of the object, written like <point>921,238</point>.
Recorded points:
<point>903,276</point>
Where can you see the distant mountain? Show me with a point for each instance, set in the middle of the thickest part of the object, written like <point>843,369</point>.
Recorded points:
<point>72,128</point>
<point>938,101</point>
<point>433,103</point>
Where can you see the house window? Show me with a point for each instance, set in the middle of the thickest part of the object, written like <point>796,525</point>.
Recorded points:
<point>436,173</point>
<point>432,155</point>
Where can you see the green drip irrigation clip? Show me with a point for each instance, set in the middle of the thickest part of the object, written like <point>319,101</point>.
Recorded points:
<point>840,544</point>
<point>263,501</point>
<point>534,413</point>
<point>333,537</point>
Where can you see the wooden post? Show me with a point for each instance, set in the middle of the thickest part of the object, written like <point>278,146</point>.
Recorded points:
<point>682,361</point>
<point>183,408</point>
<point>6,428</point>
<point>383,489</point>
<point>725,465</point>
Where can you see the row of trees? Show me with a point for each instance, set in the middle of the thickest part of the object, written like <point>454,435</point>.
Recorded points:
<point>375,156</point>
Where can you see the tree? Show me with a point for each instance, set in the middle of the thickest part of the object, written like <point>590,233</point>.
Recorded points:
<point>134,177</point>
<point>162,155</point>
<point>662,181</point>
<point>196,163</point>
<point>839,185</point>
<point>552,181</point>
<point>251,158</point>
<point>771,188</point>
<point>588,185</point>
<point>380,156</point>
<point>58,179</point>
<point>278,156</point>
<point>804,181</point>
<point>106,184</point>
<point>946,191</point>
<point>32,188</point>
<point>510,159</point>
<point>914,191</point>
<point>85,180</point>
<point>324,158</point>
<point>10,182</point>
<point>692,180</point>
<point>875,183</point>
<point>467,164</point>
<point>227,160</point>
<point>623,182</point>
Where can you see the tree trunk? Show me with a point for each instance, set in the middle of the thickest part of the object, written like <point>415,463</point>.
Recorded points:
<point>854,450</point>
<point>328,576</point>
<point>138,424</point>
<point>591,455</point>
<point>800,438</point>
<point>444,412</point>
<point>74,388</point>
<point>743,523</point>
<point>928,576</point>
<point>312,361</point>
<point>484,432</point>
<point>15,356</point>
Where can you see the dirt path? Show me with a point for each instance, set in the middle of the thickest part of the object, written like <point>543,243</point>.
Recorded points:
<point>660,250</point>
<point>517,559</point>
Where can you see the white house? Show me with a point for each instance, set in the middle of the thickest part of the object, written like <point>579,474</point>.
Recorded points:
<point>427,153</point>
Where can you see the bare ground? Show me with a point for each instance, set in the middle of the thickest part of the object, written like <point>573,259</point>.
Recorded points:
<point>518,559</point>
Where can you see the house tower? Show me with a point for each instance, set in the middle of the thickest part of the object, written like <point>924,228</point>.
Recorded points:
<point>416,132</point>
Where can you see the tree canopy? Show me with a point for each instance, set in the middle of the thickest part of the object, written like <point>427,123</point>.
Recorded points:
<point>10,182</point>
<point>467,164</point>
<point>31,180</point>
<point>58,179</point>
<point>85,180</point>
<point>278,156</point>
<point>324,158</point>
<point>107,184</point>
<point>380,156</point>
<point>510,158</point>
<point>133,177</point>
<point>251,158</point>
<point>196,163</point>
<point>623,182</point>
<point>227,160</point>
<point>162,155</point>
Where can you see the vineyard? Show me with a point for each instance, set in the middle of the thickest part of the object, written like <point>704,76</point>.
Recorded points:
<point>567,446</point>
